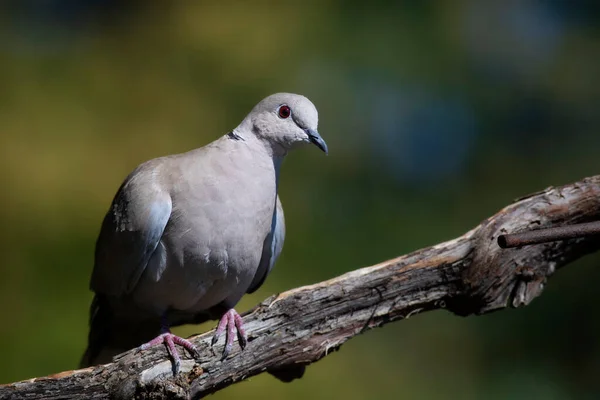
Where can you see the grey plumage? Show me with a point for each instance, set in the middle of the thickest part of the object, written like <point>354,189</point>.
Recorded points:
<point>188,235</point>
<point>272,248</point>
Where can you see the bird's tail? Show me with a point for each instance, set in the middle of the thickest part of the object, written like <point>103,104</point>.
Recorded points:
<point>111,335</point>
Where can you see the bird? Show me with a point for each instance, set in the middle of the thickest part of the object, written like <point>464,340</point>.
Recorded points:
<point>187,235</point>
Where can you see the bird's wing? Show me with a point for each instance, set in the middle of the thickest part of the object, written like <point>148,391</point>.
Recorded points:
<point>272,247</point>
<point>130,233</point>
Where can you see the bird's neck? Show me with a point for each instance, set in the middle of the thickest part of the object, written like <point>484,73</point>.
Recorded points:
<point>277,161</point>
<point>273,151</point>
<point>247,131</point>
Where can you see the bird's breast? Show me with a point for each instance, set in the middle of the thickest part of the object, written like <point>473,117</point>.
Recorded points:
<point>212,244</point>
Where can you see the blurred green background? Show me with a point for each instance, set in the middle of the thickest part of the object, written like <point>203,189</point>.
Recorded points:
<point>437,114</point>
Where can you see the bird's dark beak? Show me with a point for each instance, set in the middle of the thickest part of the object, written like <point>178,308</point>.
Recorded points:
<point>316,139</point>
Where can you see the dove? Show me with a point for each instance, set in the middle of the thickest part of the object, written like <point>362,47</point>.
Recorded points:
<point>187,235</point>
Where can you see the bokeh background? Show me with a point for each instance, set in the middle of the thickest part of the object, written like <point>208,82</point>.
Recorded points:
<point>437,114</point>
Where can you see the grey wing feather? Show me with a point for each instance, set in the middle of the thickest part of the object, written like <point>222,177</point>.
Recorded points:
<point>130,234</point>
<point>272,247</point>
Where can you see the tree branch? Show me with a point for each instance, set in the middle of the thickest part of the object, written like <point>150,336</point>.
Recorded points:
<point>468,275</point>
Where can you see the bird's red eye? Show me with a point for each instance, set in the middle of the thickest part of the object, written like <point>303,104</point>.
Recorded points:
<point>284,111</point>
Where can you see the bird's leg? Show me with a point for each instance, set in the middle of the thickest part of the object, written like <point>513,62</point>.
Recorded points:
<point>170,340</point>
<point>234,324</point>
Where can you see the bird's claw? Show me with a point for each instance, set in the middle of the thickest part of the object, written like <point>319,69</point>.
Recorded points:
<point>170,341</point>
<point>234,324</point>
<point>176,366</point>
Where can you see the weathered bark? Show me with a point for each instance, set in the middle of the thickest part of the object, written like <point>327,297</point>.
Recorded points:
<point>467,275</point>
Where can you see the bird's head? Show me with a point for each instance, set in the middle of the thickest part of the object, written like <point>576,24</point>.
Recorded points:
<point>286,120</point>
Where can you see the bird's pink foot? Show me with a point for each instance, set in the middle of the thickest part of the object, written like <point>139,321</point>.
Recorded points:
<point>234,324</point>
<point>170,341</point>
